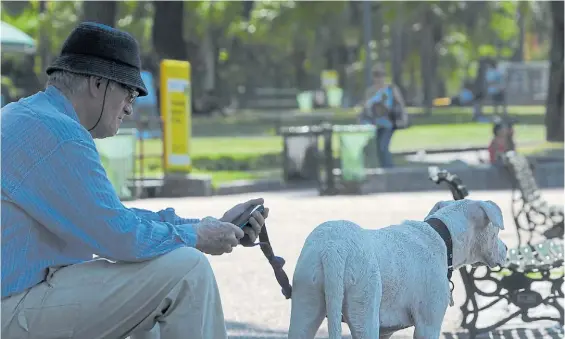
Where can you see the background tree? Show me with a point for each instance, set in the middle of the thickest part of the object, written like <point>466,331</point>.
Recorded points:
<point>554,105</point>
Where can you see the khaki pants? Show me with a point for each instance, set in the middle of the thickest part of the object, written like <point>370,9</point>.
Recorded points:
<point>99,299</point>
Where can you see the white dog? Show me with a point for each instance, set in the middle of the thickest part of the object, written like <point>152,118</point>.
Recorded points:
<point>385,280</point>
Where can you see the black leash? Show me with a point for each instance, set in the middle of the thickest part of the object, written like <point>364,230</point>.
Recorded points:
<point>276,263</point>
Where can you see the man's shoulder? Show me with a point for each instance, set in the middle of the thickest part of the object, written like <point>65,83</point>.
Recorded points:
<point>32,130</point>
<point>38,118</point>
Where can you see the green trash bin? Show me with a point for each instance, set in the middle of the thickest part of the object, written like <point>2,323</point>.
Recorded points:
<point>117,155</point>
<point>305,101</point>
<point>335,96</point>
<point>353,140</point>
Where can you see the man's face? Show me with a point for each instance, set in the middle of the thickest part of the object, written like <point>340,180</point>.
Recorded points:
<point>117,100</point>
<point>378,80</point>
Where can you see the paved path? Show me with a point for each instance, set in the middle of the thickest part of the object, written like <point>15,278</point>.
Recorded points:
<point>253,304</point>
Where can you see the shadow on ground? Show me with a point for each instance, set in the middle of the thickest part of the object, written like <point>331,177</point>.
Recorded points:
<point>519,333</point>
<point>237,330</point>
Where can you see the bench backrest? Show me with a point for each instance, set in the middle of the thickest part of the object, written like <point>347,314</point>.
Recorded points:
<point>522,175</point>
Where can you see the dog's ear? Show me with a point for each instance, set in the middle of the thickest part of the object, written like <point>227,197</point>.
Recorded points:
<point>439,205</point>
<point>493,212</point>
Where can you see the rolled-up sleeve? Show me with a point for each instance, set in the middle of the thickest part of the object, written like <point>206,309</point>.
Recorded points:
<point>69,193</point>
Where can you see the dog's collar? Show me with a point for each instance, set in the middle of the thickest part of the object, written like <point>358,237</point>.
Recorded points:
<point>443,232</point>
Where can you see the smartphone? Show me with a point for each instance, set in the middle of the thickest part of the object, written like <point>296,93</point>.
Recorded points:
<point>244,218</point>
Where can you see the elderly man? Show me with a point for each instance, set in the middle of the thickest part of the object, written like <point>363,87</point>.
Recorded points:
<point>58,209</point>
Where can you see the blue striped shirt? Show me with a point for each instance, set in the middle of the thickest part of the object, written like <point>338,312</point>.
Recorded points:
<point>58,206</point>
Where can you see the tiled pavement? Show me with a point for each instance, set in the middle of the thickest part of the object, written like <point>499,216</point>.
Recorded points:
<point>253,304</point>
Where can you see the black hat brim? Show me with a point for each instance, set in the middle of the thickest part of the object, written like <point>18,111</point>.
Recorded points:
<point>90,65</point>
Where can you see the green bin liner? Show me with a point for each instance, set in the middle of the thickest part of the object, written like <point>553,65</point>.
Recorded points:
<point>352,145</point>
<point>335,96</point>
<point>305,101</point>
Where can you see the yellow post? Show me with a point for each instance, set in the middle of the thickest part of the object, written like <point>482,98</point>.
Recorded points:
<point>176,113</point>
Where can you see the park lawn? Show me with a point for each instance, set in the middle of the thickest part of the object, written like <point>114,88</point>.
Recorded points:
<point>543,149</point>
<point>249,123</point>
<point>220,177</point>
<point>411,139</point>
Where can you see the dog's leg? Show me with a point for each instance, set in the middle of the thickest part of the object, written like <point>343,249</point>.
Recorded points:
<point>308,308</point>
<point>427,331</point>
<point>307,312</point>
<point>362,308</point>
<point>428,319</point>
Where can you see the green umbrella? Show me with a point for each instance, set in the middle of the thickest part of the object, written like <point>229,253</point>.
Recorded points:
<point>14,40</point>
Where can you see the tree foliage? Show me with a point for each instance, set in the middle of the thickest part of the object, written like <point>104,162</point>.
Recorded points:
<point>288,43</point>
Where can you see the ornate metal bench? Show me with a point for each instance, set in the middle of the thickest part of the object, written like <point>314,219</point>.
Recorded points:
<point>526,265</point>
<point>532,214</point>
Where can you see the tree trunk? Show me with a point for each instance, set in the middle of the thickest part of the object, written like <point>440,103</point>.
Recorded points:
<point>168,30</point>
<point>208,55</point>
<point>554,102</point>
<point>44,51</point>
<point>103,12</point>
<point>519,53</point>
<point>397,54</point>
<point>427,50</point>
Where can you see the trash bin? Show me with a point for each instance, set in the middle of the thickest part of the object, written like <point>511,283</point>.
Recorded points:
<point>300,152</point>
<point>118,159</point>
<point>305,101</point>
<point>335,96</point>
<point>353,140</point>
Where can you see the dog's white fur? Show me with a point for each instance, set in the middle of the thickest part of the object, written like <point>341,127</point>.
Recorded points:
<point>391,278</point>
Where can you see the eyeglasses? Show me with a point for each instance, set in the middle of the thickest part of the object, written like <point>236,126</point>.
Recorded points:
<point>132,93</point>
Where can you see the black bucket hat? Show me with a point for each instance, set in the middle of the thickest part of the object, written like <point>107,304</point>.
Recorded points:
<point>100,50</point>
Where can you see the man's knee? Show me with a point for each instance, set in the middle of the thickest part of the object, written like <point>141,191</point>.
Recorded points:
<point>185,260</point>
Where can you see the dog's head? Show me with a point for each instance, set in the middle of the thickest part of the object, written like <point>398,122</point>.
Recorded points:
<point>474,226</point>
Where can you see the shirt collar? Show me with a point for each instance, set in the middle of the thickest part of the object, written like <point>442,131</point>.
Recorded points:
<point>58,99</point>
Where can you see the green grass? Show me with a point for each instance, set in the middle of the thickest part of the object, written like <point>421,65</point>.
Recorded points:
<point>553,149</point>
<point>253,133</point>
<point>219,177</point>
<point>266,123</point>
<point>413,138</point>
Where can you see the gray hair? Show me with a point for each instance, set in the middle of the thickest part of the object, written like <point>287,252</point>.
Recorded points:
<point>68,82</point>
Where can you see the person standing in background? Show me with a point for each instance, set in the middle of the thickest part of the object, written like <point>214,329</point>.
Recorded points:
<point>380,101</point>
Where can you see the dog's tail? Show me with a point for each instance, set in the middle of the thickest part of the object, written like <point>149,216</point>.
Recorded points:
<point>333,265</point>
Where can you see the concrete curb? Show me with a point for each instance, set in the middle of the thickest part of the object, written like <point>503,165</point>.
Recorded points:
<point>250,186</point>
<point>480,177</point>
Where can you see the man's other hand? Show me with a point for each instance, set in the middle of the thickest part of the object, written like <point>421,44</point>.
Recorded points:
<point>257,220</point>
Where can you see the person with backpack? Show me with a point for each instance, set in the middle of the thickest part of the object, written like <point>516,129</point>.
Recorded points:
<point>384,108</point>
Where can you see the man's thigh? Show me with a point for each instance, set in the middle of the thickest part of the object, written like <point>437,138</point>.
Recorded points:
<point>96,299</point>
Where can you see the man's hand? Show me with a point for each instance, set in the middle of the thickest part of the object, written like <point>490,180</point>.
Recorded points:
<point>257,219</point>
<point>217,237</point>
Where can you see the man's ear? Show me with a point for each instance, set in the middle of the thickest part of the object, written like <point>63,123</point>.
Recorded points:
<point>493,213</point>
<point>95,85</point>
<point>439,205</point>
